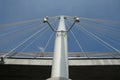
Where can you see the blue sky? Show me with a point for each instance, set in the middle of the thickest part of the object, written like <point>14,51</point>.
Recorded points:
<point>20,10</point>
<point>12,10</point>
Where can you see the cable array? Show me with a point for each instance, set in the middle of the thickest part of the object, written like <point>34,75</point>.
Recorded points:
<point>90,35</point>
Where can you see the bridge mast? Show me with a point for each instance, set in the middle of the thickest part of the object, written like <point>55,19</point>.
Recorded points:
<point>60,60</point>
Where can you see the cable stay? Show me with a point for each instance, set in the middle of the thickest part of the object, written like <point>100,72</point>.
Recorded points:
<point>20,33</point>
<point>23,42</point>
<point>9,32</point>
<point>78,43</point>
<point>110,40</point>
<point>101,40</point>
<point>98,41</point>
<point>101,21</point>
<point>16,31</point>
<point>112,27</point>
<point>111,32</point>
<point>35,39</point>
<point>108,36</point>
<point>103,31</point>
<point>76,40</point>
<point>14,37</point>
<point>48,41</point>
<point>20,22</point>
<point>106,29</point>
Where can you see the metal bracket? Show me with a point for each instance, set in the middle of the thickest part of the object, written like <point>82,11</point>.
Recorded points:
<point>76,21</point>
<point>46,20</point>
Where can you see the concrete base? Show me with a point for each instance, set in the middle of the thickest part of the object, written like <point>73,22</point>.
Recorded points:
<point>58,78</point>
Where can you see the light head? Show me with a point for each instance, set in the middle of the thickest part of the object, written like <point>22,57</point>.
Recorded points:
<point>45,19</point>
<point>77,19</point>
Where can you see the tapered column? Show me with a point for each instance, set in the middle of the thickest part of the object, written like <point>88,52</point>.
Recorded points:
<point>60,60</point>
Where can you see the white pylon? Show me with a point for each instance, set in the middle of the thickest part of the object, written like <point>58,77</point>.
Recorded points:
<point>60,60</point>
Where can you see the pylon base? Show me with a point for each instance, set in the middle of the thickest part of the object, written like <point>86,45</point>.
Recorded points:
<point>58,78</point>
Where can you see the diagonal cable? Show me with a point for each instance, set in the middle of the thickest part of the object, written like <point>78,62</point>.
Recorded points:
<point>78,43</point>
<point>48,41</point>
<point>35,39</point>
<point>101,40</point>
<point>23,42</point>
<point>20,22</point>
<point>100,20</point>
